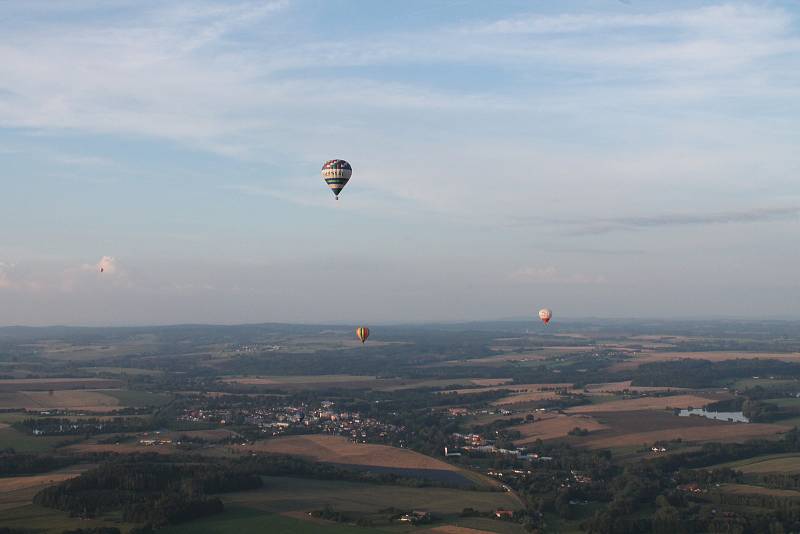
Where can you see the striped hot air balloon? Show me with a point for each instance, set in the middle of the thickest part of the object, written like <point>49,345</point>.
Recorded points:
<point>362,332</point>
<point>545,315</point>
<point>336,173</point>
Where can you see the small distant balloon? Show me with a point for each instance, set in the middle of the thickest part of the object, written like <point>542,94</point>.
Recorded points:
<point>545,314</point>
<point>336,173</point>
<point>362,332</point>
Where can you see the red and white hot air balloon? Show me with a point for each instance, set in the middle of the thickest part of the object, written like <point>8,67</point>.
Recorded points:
<point>545,314</point>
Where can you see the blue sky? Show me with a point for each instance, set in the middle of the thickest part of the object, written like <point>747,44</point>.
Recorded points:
<point>601,158</point>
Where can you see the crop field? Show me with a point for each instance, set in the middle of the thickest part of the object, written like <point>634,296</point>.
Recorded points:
<point>555,426</point>
<point>135,398</point>
<point>517,388</point>
<point>619,387</point>
<point>305,381</point>
<point>504,358</point>
<point>18,491</point>
<point>340,450</point>
<point>241,519</point>
<point>625,429</point>
<point>122,371</point>
<point>57,350</point>
<point>282,494</point>
<point>747,489</point>
<point>12,439</point>
<point>773,463</point>
<point>647,403</point>
<point>733,432</point>
<point>649,357</point>
<point>42,520</point>
<point>77,399</point>
<point>46,384</point>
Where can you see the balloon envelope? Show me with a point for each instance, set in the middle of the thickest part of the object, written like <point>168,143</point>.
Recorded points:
<point>545,315</point>
<point>362,332</point>
<point>336,173</point>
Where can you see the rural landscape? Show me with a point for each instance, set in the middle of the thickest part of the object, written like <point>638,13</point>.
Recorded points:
<point>394,267</point>
<point>594,426</point>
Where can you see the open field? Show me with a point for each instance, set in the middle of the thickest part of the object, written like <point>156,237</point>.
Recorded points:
<point>649,357</point>
<point>10,438</point>
<point>634,428</point>
<point>240,519</point>
<point>211,435</point>
<point>503,358</point>
<point>772,463</point>
<point>305,381</point>
<point>123,371</point>
<point>646,403</point>
<point>136,398</point>
<point>46,384</point>
<point>746,383</point>
<point>746,489</point>
<point>18,491</point>
<point>47,520</point>
<point>282,494</point>
<point>340,450</point>
<point>555,426</point>
<point>77,399</point>
<point>727,432</point>
<point>619,387</point>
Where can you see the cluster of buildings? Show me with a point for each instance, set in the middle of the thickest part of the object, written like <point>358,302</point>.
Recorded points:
<point>278,420</point>
<point>475,444</point>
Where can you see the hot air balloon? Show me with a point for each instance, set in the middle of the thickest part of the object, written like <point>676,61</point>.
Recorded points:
<point>545,314</point>
<point>362,332</point>
<point>336,174</point>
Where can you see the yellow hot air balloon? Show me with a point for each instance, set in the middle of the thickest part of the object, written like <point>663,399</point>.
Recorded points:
<point>362,332</point>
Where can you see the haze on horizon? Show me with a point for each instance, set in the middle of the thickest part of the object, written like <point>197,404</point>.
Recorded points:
<point>603,158</point>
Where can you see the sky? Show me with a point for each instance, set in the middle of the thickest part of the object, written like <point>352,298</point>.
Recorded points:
<point>601,158</point>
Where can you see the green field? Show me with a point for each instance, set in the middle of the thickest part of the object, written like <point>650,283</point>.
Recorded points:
<point>122,371</point>
<point>46,520</point>
<point>135,398</point>
<point>238,520</point>
<point>747,383</point>
<point>769,463</point>
<point>281,494</point>
<point>11,439</point>
<point>785,402</point>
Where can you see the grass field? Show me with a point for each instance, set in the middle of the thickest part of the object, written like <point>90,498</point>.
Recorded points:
<point>18,491</point>
<point>46,520</point>
<point>240,520</point>
<point>649,357</point>
<point>122,371</point>
<point>555,426</point>
<point>746,489</point>
<point>646,403</point>
<point>771,463</point>
<point>746,383</point>
<point>340,450</point>
<point>786,402</point>
<point>135,398</point>
<point>618,387</point>
<point>725,432</point>
<point>45,384</point>
<point>11,439</point>
<point>285,494</point>
<point>298,379</point>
